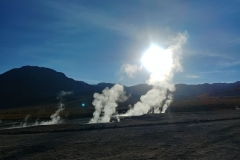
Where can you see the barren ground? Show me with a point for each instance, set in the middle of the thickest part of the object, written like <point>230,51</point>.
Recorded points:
<point>200,135</point>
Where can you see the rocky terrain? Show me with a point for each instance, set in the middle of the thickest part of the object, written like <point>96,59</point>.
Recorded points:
<point>201,123</point>
<point>193,135</point>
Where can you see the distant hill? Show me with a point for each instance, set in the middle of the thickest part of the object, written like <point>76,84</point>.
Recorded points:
<point>104,85</point>
<point>215,89</point>
<point>30,85</point>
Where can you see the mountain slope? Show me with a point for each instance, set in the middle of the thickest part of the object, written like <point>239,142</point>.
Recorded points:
<point>30,85</point>
<point>215,89</point>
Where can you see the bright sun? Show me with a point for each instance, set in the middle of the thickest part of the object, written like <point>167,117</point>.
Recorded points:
<point>157,60</point>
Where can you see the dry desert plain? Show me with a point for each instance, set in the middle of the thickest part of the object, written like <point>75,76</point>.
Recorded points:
<point>189,135</point>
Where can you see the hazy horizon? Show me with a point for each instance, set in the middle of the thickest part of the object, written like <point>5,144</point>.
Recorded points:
<point>117,83</point>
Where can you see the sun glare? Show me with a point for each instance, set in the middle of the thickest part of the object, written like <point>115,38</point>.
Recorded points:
<point>157,60</point>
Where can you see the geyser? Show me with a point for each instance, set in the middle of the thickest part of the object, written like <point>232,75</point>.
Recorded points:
<point>162,64</point>
<point>106,103</point>
<point>55,117</point>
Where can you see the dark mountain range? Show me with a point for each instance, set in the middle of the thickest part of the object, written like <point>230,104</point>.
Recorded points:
<point>39,80</point>
<point>30,85</point>
<point>216,89</point>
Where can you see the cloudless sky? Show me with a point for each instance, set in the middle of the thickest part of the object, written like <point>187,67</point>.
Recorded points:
<point>90,40</point>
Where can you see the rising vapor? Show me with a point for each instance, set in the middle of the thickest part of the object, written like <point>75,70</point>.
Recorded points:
<point>158,99</point>
<point>130,69</point>
<point>162,64</point>
<point>55,118</point>
<point>106,103</point>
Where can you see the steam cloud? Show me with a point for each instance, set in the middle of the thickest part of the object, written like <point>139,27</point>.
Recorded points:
<point>130,69</point>
<point>157,99</point>
<point>63,94</point>
<point>25,124</point>
<point>106,103</point>
<point>55,117</point>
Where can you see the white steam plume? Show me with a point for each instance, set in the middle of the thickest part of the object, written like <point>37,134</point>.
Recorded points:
<point>157,99</point>
<point>106,103</point>
<point>25,124</point>
<point>55,117</point>
<point>130,69</point>
<point>63,94</point>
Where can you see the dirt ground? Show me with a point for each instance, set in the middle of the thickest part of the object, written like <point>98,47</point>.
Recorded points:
<point>202,135</point>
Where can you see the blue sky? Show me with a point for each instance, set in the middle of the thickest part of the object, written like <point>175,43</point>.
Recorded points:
<point>91,40</point>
